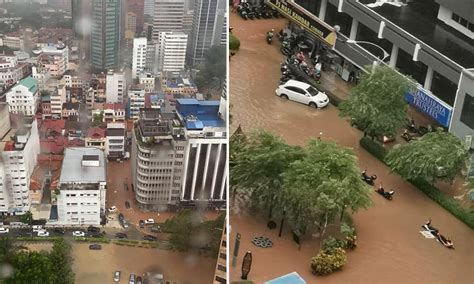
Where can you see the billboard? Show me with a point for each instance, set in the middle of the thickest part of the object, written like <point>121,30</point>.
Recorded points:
<point>305,19</point>
<point>431,105</point>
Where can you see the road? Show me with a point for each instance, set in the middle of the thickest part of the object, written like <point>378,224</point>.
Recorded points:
<point>391,249</point>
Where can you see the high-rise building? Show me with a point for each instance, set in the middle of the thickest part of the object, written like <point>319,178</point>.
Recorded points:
<point>188,22</point>
<point>205,167</point>
<point>115,87</point>
<point>172,52</point>
<point>106,33</point>
<point>82,25</point>
<point>82,186</point>
<point>158,148</point>
<point>168,17</point>
<point>136,100</point>
<point>208,22</point>
<point>18,155</point>
<point>130,25</point>
<point>137,7</point>
<point>139,56</point>
<point>149,7</point>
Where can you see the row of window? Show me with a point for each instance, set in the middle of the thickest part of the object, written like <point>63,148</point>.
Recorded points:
<point>82,194</point>
<point>463,22</point>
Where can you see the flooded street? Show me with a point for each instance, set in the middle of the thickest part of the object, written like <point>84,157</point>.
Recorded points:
<point>391,249</point>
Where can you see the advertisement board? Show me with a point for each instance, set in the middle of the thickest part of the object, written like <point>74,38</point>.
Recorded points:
<point>305,20</point>
<point>431,105</point>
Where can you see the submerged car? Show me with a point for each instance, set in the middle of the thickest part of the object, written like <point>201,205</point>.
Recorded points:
<point>78,234</point>
<point>303,93</point>
<point>150,238</point>
<point>95,247</point>
<point>43,234</point>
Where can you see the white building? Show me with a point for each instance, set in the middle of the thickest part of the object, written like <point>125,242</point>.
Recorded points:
<point>115,140</point>
<point>136,100</point>
<point>139,56</point>
<point>82,186</point>
<point>147,80</point>
<point>23,97</point>
<point>19,160</point>
<point>56,58</point>
<point>14,42</point>
<point>10,75</point>
<point>168,16</point>
<point>111,112</point>
<point>173,51</point>
<point>42,75</point>
<point>115,87</point>
<point>58,98</point>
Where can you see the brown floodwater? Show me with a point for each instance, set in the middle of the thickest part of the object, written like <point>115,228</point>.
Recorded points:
<point>391,249</point>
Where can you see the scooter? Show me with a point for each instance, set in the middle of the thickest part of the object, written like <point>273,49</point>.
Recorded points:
<point>429,228</point>
<point>444,241</point>
<point>269,37</point>
<point>368,179</point>
<point>387,194</point>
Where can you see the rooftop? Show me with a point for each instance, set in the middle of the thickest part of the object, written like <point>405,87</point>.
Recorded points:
<point>73,171</point>
<point>115,132</point>
<point>30,83</point>
<point>419,18</point>
<point>199,114</point>
<point>179,82</point>
<point>96,133</point>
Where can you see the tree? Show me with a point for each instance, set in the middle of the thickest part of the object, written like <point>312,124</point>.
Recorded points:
<point>8,250</point>
<point>321,186</point>
<point>234,42</point>
<point>436,155</point>
<point>62,259</point>
<point>32,267</point>
<point>377,104</point>
<point>214,66</point>
<point>259,166</point>
<point>325,263</point>
<point>181,228</point>
<point>98,118</point>
<point>45,93</point>
<point>27,218</point>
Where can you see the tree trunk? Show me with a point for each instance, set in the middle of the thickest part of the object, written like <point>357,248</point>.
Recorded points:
<point>323,231</point>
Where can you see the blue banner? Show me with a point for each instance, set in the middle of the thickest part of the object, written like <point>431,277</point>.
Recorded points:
<point>430,105</point>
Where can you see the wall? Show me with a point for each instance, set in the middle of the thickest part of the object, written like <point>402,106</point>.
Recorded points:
<point>444,15</point>
<point>466,86</point>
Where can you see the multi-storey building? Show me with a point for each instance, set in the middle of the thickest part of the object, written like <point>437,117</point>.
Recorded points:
<point>41,74</point>
<point>137,7</point>
<point>70,110</point>
<point>55,58</point>
<point>57,99</point>
<point>188,22</point>
<point>13,42</point>
<point>23,98</point>
<point>172,51</point>
<point>208,22</point>
<point>115,140</point>
<point>106,33</point>
<point>179,85</point>
<point>115,87</point>
<point>95,137</point>
<point>11,75</point>
<point>130,25</point>
<point>436,52</point>
<point>139,57</point>
<point>205,167</point>
<point>168,17</point>
<point>158,149</point>
<point>147,80</point>
<point>82,184</point>
<point>136,100</point>
<point>111,112</point>
<point>19,150</point>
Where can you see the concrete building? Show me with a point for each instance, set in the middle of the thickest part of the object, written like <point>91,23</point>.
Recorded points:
<point>70,110</point>
<point>115,87</point>
<point>205,167</point>
<point>11,75</point>
<point>41,74</point>
<point>149,7</point>
<point>95,137</point>
<point>57,99</point>
<point>111,112</point>
<point>115,140</point>
<point>137,7</point>
<point>136,100</point>
<point>188,22</point>
<point>106,33</point>
<point>23,98</point>
<point>173,52</point>
<point>13,42</point>
<point>208,24</point>
<point>19,150</point>
<point>168,17</point>
<point>435,50</point>
<point>4,119</point>
<point>130,25</point>
<point>158,148</point>
<point>82,184</point>
<point>139,56</point>
<point>55,58</point>
<point>179,85</point>
<point>147,80</point>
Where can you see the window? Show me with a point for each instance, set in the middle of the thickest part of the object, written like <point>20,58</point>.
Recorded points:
<point>455,17</point>
<point>467,114</point>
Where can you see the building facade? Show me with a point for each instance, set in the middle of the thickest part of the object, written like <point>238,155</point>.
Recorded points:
<point>115,140</point>
<point>136,100</point>
<point>139,56</point>
<point>147,80</point>
<point>115,87</point>
<point>57,99</point>
<point>23,98</point>
<point>106,33</point>
<point>172,52</point>
<point>82,186</point>
<point>167,17</point>
<point>18,159</point>
<point>137,7</point>
<point>158,149</point>
<point>56,59</point>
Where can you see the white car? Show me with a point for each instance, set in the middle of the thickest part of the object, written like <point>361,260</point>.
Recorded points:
<point>303,93</point>
<point>78,234</point>
<point>43,234</point>
<point>113,209</point>
<point>37,228</point>
<point>117,276</point>
<point>149,221</point>
<point>4,230</point>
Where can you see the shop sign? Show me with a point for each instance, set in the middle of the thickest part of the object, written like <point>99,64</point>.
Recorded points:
<point>305,19</point>
<point>431,105</point>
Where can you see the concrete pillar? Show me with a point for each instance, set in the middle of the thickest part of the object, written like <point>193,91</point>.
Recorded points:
<point>393,56</point>
<point>322,10</point>
<point>196,166</point>
<point>354,27</point>
<point>428,79</point>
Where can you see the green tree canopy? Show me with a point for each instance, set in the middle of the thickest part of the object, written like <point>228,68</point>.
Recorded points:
<point>8,250</point>
<point>214,66</point>
<point>61,257</point>
<point>377,104</point>
<point>259,164</point>
<point>27,218</point>
<point>436,155</point>
<point>32,267</point>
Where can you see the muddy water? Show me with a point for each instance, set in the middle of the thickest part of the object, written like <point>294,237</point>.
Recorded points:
<point>391,249</point>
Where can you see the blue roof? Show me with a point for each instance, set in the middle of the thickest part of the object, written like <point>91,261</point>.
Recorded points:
<point>207,113</point>
<point>291,278</point>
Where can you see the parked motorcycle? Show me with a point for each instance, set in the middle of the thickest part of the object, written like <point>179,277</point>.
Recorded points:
<point>270,37</point>
<point>368,179</point>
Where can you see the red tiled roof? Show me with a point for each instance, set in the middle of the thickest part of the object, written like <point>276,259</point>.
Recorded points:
<point>114,106</point>
<point>44,164</point>
<point>96,132</point>
<point>49,124</point>
<point>57,145</point>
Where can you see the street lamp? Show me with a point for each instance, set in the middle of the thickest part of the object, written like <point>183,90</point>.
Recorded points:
<point>385,54</point>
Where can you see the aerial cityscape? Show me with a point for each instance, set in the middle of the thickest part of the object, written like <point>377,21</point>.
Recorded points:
<point>240,141</point>
<point>113,126</point>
